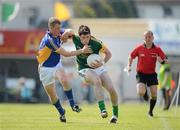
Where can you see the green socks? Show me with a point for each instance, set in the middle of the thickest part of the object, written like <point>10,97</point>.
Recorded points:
<point>101,105</point>
<point>115,111</point>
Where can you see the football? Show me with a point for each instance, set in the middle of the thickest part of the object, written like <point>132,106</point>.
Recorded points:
<point>93,58</point>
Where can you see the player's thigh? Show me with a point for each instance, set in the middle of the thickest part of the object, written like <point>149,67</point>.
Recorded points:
<point>60,75</point>
<point>106,81</point>
<point>51,90</point>
<point>46,75</point>
<point>92,77</point>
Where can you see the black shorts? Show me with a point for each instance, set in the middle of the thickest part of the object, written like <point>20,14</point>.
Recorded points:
<point>148,79</point>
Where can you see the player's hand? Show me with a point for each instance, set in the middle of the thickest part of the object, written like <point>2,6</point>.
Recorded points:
<point>97,64</point>
<point>64,37</point>
<point>159,59</point>
<point>86,49</point>
<point>127,69</point>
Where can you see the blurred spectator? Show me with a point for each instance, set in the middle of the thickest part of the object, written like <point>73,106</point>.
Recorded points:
<point>61,12</point>
<point>88,92</point>
<point>25,91</point>
<point>165,79</point>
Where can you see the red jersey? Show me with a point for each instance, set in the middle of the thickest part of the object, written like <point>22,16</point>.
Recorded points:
<point>147,58</point>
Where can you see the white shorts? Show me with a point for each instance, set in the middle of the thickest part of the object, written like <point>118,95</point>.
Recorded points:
<point>47,74</point>
<point>98,71</point>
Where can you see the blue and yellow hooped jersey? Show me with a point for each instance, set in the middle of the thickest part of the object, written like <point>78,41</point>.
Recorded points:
<point>47,55</point>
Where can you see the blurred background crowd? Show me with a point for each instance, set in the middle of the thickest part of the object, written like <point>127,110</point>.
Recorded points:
<point>119,23</point>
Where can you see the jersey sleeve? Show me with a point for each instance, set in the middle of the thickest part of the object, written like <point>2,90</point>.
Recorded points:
<point>51,44</point>
<point>100,45</point>
<point>134,53</point>
<point>75,39</point>
<point>62,31</point>
<point>103,47</point>
<point>161,53</point>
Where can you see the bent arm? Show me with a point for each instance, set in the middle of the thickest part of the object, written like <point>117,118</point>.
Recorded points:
<point>68,33</point>
<point>108,55</point>
<point>65,53</point>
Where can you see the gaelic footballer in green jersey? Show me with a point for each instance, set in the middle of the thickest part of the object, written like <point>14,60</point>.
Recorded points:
<point>96,74</point>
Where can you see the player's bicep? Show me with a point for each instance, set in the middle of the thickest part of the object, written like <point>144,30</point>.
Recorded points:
<point>134,53</point>
<point>105,50</point>
<point>161,54</point>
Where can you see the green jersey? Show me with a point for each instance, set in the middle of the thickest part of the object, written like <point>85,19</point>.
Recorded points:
<point>95,45</point>
<point>165,69</point>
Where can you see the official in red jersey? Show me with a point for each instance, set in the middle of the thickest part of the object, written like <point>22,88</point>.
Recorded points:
<point>148,54</point>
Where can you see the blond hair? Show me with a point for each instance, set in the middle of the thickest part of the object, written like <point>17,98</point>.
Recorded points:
<point>52,22</point>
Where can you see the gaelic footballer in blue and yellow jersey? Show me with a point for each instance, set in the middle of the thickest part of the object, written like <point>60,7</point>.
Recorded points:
<point>51,68</point>
<point>47,55</point>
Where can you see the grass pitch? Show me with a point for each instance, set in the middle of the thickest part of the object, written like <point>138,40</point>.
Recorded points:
<point>45,117</point>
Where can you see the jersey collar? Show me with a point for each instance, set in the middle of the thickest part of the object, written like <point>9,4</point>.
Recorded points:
<point>50,34</point>
<point>153,46</point>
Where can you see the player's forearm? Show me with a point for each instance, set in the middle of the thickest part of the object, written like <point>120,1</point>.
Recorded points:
<point>107,57</point>
<point>130,61</point>
<point>73,53</point>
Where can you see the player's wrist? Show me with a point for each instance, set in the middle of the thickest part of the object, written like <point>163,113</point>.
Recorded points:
<point>82,51</point>
<point>163,62</point>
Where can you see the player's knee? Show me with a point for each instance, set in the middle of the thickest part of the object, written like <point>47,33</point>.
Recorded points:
<point>63,80</point>
<point>141,92</point>
<point>112,91</point>
<point>53,97</point>
<point>153,95</point>
<point>97,82</point>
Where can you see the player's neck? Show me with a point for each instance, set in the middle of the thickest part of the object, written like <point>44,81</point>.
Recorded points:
<point>148,45</point>
<point>53,35</point>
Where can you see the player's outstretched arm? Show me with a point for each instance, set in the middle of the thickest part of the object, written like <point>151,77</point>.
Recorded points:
<point>62,51</point>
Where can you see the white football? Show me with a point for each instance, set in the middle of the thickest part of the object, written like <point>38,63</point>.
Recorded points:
<point>93,58</point>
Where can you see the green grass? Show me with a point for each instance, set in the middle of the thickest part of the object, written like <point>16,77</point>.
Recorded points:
<point>44,117</point>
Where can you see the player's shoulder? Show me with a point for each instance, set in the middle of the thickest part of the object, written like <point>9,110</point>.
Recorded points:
<point>94,39</point>
<point>156,46</point>
<point>75,37</point>
<point>45,41</point>
<point>46,38</point>
<point>139,45</point>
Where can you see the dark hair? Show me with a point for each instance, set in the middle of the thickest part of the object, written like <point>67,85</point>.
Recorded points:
<point>84,30</point>
<point>53,21</point>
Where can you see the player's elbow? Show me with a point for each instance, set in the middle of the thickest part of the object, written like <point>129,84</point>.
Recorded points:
<point>129,58</point>
<point>109,55</point>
